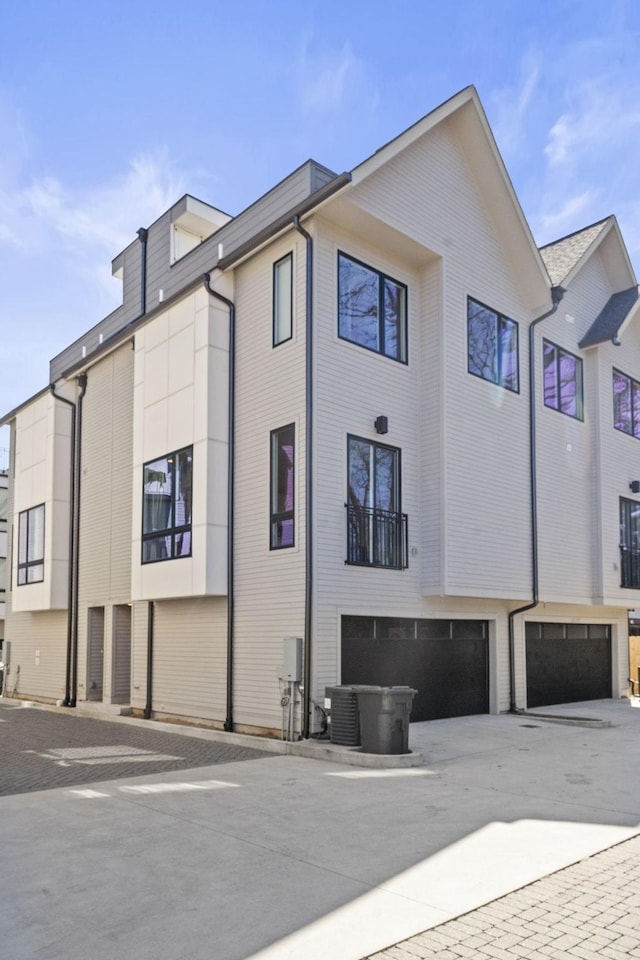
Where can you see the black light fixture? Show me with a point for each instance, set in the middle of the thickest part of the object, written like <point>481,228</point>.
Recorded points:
<point>634,486</point>
<point>382,426</point>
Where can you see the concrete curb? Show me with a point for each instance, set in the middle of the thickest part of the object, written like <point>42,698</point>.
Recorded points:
<point>311,749</point>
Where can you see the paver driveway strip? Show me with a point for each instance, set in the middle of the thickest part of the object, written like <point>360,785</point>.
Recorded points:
<point>44,749</point>
<point>589,910</point>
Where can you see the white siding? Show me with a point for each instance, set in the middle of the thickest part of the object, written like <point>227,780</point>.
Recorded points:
<point>463,441</point>
<point>270,389</point>
<point>38,654</point>
<point>567,452</point>
<point>619,462</point>
<point>189,658</point>
<point>42,475</point>
<point>105,503</point>
<point>180,399</point>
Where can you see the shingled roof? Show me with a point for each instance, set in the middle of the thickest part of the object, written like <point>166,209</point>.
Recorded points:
<point>611,318</point>
<point>561,256</point>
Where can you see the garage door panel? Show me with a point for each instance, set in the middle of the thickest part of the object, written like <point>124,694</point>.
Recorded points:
<point>448,669</point>
<point>567,663</point>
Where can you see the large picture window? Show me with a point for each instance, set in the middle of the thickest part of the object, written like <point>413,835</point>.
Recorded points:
<point>166,506</point>
<point>492,346</point>
<point>31,545</point>
<point>562,380</point>
<point>626,404</point>
<point>372,309</point>
<point>376,530</point>
<point>629,543</point>
<point>282,487</point>
<point>283,300</point>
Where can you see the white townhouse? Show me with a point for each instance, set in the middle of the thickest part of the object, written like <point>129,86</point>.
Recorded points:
<point>363,432</point>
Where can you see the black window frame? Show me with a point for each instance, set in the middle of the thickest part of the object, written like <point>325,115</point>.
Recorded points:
<point>278,517</point>
<point>559,353</point>
<point>274,300</point>
<point>403,333</point>
<point>629,543</point>
<point>501,322</point>
<point>31,563</point>
<point>634,388</point>
<point>376,537</point>
<point>174,532</point>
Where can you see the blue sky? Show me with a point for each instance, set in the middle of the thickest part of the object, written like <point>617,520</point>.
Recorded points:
<point>109,112</point>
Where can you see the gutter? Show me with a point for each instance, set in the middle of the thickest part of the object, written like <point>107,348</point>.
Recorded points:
<point>308,597</point>
<point>228,724</point>
<point>557,294</point>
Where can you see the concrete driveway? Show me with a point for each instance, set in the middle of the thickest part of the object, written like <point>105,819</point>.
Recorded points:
<point>289,856</point>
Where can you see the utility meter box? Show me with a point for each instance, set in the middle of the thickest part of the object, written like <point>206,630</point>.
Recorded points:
<point>292,659</point>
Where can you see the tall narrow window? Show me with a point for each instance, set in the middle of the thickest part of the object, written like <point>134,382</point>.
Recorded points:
<point>283,300</point>
<point>282,487</point>
<point>166,507</point>
<point>629,543</point>
<point>626,404</point>
<point>562,380</point>
<point>492,346</point>
<point>31,545</point>
<point>372,309</point>
<point>376,530</point>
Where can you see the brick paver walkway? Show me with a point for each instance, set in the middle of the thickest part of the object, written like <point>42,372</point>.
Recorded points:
<point>43,749</point>
<point>588,911</point>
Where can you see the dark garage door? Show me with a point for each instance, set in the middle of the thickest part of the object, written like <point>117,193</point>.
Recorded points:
<point>446,661</point>
<point>567,662</point>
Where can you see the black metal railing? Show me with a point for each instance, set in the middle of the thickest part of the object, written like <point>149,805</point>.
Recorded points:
<point>629,567</point>
<point>376,538</point>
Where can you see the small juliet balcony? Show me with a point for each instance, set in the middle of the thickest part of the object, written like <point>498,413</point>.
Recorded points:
<point>376,538</point>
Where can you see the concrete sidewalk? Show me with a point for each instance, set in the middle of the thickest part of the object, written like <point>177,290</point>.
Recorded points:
<point>295,857</point>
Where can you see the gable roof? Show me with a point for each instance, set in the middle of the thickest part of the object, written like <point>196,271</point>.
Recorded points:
<point>615,314</point>
<point>494,180</point>
<point>562,256</point>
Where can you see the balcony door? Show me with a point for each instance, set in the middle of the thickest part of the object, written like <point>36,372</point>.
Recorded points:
<point>375,526</point>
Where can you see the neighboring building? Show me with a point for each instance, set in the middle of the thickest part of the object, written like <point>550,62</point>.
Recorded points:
<point>355,373</point>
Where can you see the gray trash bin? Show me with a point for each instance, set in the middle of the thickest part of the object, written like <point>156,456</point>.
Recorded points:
<point>345,720</point>
<point>384,718</point>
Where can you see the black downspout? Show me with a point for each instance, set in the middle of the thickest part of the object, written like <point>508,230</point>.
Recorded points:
<point>557,294</point>
<point>82,381</point>
<point>70,577</point>
<point>228,724</point>
<point>149,704</point>
<point>309,479</point>
<point>143,234</point>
